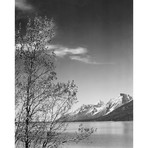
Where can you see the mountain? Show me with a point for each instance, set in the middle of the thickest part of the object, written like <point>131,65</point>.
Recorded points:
<point>123,113</point>
<point>116,109</point>
<point>117,102</point>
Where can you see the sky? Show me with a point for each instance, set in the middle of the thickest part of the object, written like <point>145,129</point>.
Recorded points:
<point>93,43</point>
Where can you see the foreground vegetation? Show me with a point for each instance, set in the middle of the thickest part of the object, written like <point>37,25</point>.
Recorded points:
<point>39,97</point>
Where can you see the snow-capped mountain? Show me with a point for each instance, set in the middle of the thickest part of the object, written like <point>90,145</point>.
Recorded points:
<point>92,112</point>
<point>89,109</point>
<point>117,102</point>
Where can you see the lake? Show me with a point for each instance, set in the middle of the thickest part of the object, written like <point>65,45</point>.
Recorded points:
<point>108,135</point>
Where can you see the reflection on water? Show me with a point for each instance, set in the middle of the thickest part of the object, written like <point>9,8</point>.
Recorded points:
<point>108,135</point>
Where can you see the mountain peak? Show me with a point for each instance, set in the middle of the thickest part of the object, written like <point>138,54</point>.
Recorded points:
<point>125,98</point>
<point>100,103</point>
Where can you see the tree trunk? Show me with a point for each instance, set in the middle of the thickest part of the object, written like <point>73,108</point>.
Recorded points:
<point>27,114</point>
<point>27,121</point>
<point>27,141</point>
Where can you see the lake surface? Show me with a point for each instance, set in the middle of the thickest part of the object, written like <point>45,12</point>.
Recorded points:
<point>108,135</point>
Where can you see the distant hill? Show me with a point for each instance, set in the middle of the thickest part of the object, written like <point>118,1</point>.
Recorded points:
<point>116,109</point>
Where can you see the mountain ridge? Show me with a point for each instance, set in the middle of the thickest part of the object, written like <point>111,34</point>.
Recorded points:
<point>116,109</point>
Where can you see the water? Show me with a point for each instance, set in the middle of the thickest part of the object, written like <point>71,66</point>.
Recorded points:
<point>108,135</point>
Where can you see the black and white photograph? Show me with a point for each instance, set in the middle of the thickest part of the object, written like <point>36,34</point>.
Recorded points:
<point>73,74</point>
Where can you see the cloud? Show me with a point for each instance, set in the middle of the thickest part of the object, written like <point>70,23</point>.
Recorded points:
<point>78,54</point>
<point>23,5</point>
<point>87,59</point>
<point>62,51</point>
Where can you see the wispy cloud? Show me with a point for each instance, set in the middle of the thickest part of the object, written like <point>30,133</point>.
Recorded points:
<point>88,60</point>
<point>23,5</point>
<point>78,54</point>
<point>62,51</point>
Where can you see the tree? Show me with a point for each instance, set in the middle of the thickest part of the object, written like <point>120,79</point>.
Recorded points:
<point>39,100</point>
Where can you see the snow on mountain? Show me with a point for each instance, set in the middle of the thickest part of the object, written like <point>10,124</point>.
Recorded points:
<point>91,109</point>
<point>117,102</point>
<point>98,110</point>
<point>89,112</point>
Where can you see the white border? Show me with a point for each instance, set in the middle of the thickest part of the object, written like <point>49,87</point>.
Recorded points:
<point>7,74</point>
<point>140,73</point>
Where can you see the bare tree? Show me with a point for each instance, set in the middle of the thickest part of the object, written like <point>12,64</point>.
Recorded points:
<point>40,100</point>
